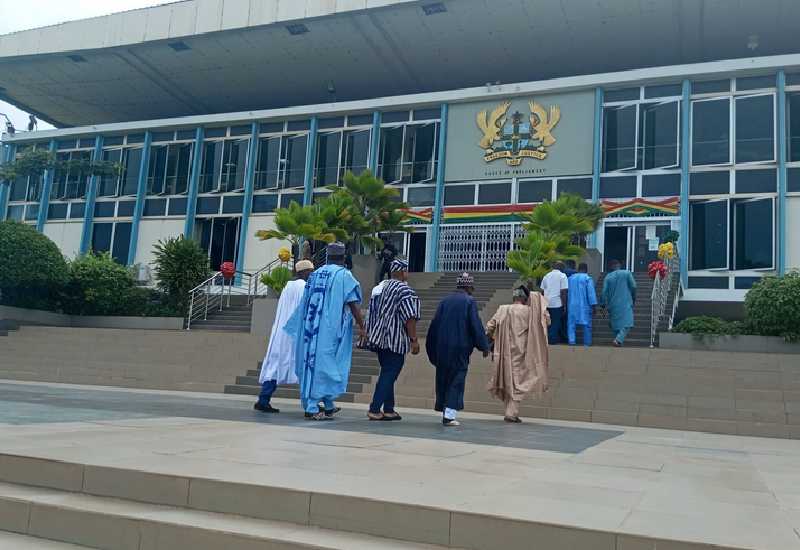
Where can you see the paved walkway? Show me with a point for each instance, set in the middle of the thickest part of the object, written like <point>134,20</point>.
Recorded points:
<point>728,490</point>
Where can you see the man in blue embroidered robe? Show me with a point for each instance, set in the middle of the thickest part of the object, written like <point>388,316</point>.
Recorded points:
<point>323,330</point>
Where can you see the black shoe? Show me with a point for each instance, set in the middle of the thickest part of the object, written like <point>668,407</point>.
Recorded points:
<point>318,416</point>
<point>331,412</point>
<point>266,408</point>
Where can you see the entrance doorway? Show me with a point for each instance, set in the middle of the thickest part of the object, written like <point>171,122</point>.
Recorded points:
<point>219,237</point>
<point>417,244</point>
<point>616,246</point>
<point>634,245</point>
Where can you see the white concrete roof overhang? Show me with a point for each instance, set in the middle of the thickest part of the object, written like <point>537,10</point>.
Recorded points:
<point>215,56</point>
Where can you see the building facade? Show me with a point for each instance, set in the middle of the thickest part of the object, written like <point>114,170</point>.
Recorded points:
<point>710,149</point>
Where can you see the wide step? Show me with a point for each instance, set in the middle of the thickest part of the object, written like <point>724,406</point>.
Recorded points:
<point>109,523</point>
<point>15,541</point>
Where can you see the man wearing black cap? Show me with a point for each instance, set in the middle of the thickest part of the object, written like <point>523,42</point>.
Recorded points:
<point>391,333</point>
<point>455,331</point>
<point>323,329</point>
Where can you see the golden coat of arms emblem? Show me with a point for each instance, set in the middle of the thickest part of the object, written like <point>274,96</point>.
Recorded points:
<point>517,137</point>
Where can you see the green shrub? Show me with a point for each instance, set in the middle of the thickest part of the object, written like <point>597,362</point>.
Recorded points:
<point>277,279</point>
<point>32,268</point>
<point>100,286</point>
<point>180,265</point>
<point>772,306</point>
<point>670,237</point>
<point>707,325</point>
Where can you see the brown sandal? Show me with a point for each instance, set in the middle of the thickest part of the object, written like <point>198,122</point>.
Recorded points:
<point>375,416</point>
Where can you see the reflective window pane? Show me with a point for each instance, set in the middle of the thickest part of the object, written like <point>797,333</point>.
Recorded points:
<point>101,237</point>
<point>660,135</point>
<point>295,164</point>
<point>122,242</point>
<point>711,133</point>
<point>619,138</point>
<point>269,153</point>
<point>755,128</point>
<point>130,175</point>
<point>793,126</point>
<point>77,181</point>
<point>390,168</point>
<point>355,153</point>
<point>423,153</point>
<point>157,170</point>
<point>753,234</point>
<point>421,196</point>
<point>108,184</point>
<point>326,171</point>
<point>709,235</point>
<point>19,189</point>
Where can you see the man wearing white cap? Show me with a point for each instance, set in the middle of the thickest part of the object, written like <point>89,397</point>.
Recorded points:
<point>455,331</point>
<point>278,365</point>
<point>322,326</point>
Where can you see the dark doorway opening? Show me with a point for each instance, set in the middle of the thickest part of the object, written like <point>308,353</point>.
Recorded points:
<point>219,237</point>
<point>416,252</point>
<point>615,246</point>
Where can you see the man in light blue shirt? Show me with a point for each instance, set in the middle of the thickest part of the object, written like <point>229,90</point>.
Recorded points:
<point>581,305</point>
<point>619,295</point>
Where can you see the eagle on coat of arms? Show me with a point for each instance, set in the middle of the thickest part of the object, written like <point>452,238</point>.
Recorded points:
<point>516,137</point>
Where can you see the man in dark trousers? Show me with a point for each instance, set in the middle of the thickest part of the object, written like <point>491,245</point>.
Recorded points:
<point>455,331</point>
<point>386,256</point>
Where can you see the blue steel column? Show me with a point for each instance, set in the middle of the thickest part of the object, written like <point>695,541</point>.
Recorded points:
<point>249,184</point>
<point>438,207</point>
<point>47,187</point>
<point>6,155</point>
<point>311,154</point>
<point>597,155</point>
<point>374,142</point>
<point>782,242</point>
<point>91,197</point>
<point>141,195</point>
<point>194,183</point>
<point>683,240</point>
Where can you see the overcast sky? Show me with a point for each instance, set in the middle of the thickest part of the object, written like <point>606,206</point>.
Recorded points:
<point>16,15</point>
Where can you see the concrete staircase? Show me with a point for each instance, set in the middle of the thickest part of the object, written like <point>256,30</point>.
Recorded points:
<point>236,318</point>
<point>490,287</point>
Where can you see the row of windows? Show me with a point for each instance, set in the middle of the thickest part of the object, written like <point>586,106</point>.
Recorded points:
<point>732,234</point>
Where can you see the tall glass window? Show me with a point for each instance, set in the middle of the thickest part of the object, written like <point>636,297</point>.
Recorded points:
<point>169,169</point>
<point>108,183</point>
<point>793,126</point>
<point>620,138</point>
<point>114,238</point>
<point>755,128</point>
<point>223,166</point>
<point>268,163</point>
<point>754,231</point>
<point>408,154</point>
<point>391,156</point>
<point>711,131</point>
<point>355,152</point>
<point>294,165</point>
<point>132,165</point>
<point>659,134</point>
<point>326,171</point>
<point>709,235</point>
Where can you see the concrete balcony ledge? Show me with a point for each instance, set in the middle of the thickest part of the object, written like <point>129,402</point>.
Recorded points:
<point>714,342</point>
<point>52,319</point>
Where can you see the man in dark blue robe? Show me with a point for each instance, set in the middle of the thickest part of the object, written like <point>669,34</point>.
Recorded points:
<point>455,331</point>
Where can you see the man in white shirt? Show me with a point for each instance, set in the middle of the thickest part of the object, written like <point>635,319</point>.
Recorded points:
<point>554,288</point>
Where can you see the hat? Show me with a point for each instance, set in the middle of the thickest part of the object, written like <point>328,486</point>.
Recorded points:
<point>465,280</point>
<point>398,265</point>
<point>335,249</point>
<point>521,292</point>
<point>303,265</point>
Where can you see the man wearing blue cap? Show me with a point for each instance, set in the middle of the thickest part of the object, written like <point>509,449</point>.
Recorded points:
<point>323,329</point>
<point>391,333</point>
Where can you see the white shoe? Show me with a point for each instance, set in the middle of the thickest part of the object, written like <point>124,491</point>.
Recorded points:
<point>448,422</point>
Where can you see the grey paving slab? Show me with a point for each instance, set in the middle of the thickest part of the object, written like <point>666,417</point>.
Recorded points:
<point>37,404</point>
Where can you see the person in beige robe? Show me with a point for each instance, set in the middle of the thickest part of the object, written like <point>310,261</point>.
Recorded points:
<point>519,334</point>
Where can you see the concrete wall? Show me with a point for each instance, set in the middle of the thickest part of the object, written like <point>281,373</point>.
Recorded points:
<point>168,360</point>
<point>152,231</point>
<point>67,235</point>
<point>263,316</point>
<point>49,318</point>
<point>793,232</point>
<point>259,253</point>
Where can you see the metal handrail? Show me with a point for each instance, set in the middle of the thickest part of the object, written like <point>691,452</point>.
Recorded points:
<point>662,286</point>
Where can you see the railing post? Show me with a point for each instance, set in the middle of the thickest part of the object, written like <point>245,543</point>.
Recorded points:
<point>191,311</point>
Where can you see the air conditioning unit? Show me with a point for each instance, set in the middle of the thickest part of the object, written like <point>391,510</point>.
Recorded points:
<point>143,275</point>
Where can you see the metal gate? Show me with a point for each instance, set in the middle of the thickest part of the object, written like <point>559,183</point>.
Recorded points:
<point>478,248</point>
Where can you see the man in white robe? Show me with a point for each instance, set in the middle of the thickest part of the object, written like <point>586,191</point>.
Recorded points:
<point>278,366</point>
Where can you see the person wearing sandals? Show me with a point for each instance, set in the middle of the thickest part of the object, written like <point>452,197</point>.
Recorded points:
<point>455,331</point>
<point>518,333</point>
<point>391,332</point>
<point>322,326</point>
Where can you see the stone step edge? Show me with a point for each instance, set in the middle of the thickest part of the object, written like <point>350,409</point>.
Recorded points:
<point>413,523</point>
<point>96,522</point>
